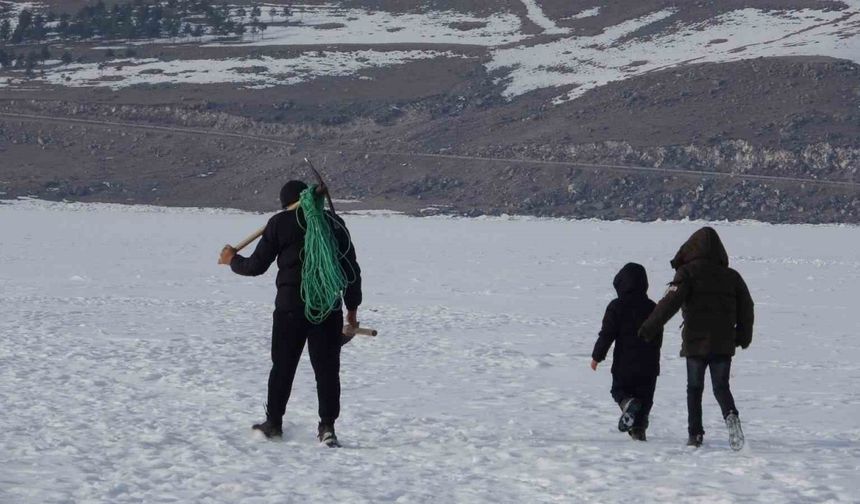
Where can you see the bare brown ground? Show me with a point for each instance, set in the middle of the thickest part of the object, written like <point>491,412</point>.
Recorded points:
<point>379,138</point>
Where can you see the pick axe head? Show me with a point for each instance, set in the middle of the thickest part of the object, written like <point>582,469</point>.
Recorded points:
<point>347,334</point>
<point>322,188</point>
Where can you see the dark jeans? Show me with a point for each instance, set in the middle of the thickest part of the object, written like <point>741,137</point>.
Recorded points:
<point>721,366</point>
<point>290,330</point>
<point>640,387</point>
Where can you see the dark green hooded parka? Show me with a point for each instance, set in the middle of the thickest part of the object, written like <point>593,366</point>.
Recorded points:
<point>713,299</point>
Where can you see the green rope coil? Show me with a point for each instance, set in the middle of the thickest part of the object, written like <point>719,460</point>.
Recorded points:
<point>323,278</point>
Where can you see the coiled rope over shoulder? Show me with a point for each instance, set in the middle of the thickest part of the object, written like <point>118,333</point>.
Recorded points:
<point>323,277</point>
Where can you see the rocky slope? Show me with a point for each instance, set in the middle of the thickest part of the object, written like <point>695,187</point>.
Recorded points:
<point>770,138</point>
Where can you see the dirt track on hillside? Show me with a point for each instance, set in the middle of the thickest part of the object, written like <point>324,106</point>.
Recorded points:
<point>418,155</point>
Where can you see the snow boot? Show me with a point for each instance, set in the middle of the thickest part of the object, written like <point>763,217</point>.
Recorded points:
<point>326,435</point>
<point>736,434</point>
<point>695,440</point>
<point>630,408</point>
<point>637,433</point>
<point>269,429</point>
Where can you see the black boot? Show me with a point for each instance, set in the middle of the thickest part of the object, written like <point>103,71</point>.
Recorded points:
<point>695,440</point>
<point>637,433</point>
<point>269,429</point>
<point>326,435</point>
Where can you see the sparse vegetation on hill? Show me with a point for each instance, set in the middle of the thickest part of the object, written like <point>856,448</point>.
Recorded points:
<point>27,60</point>
<point>137,19</point>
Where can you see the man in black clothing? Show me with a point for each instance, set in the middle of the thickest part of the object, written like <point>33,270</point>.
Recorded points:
<point>718,316</point>
<point>635,363</point>
<point>283,239</point>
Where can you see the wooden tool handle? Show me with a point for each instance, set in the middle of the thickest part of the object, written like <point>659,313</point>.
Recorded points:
<point>258,233</point>
<point>247,241</point>
<point>350,331</point>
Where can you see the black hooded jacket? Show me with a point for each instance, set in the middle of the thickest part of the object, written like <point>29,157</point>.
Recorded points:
<point>632,356</point>
<point>715,302</point>
<point>284,239</point>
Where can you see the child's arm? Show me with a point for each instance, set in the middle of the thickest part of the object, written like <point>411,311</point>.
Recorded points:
<point>608,333</point>
<point>666,308</point>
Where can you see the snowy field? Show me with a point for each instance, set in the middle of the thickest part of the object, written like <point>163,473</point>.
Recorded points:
<point>131,366</point>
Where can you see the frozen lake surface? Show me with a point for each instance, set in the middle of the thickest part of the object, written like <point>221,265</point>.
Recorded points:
<point>132,367</point>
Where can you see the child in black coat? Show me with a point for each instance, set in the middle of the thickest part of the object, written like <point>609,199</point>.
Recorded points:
<point>636,363</point>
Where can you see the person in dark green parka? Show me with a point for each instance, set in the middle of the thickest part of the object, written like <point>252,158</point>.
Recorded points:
<point>718,317</point>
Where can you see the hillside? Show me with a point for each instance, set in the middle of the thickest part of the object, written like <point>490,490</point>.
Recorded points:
<point>636,110</point>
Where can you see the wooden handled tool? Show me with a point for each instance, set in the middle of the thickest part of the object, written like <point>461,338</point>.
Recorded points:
<point>250,239</point>
<point>360,330</point>
<point>350,332</point>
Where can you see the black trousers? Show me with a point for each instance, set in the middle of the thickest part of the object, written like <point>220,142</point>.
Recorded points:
<point>290,330</point>
<point>639,387</point>
<point>721,366</point>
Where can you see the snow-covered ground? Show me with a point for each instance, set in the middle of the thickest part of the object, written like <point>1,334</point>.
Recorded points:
<point>131,366</point>
<point>255,72</point>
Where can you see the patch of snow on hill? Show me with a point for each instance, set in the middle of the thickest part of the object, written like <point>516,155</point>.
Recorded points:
<point>260,72</point>
<point>587,13</point>
<point>579,62</point>
<point>589,62</point>
<point>536,14</point>
<point>585,61</point>
<point>328,24</point>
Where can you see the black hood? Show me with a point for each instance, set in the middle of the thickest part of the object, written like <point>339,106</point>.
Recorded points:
<point>291,191</point>
<point>704,244</point>
<point>632,279</point>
